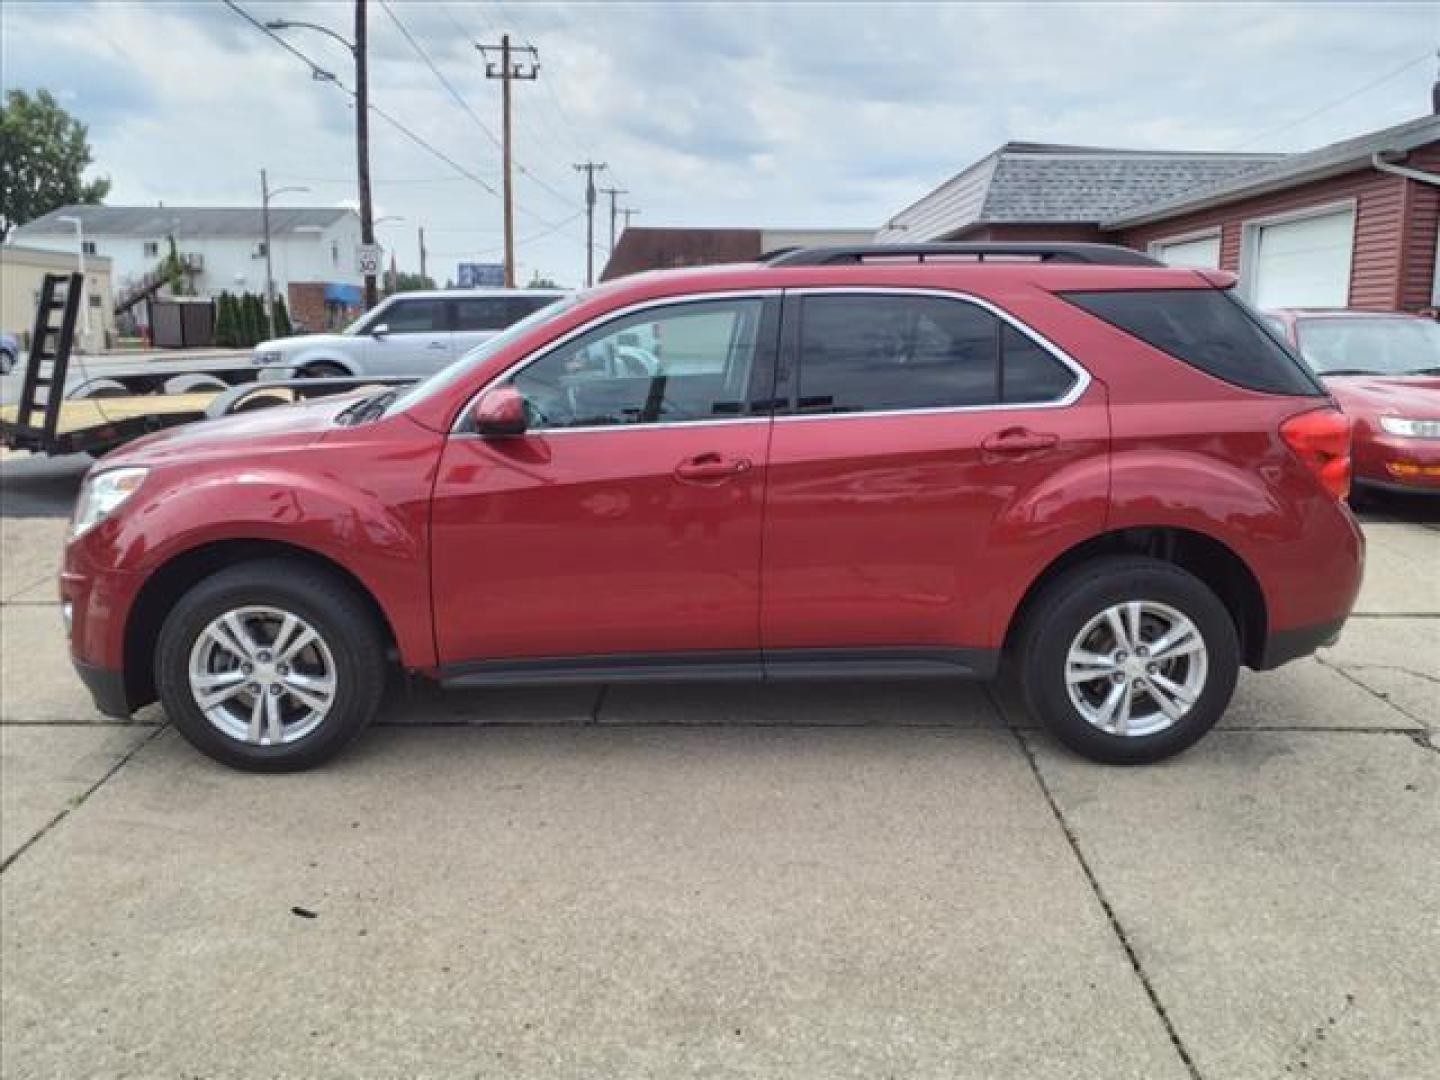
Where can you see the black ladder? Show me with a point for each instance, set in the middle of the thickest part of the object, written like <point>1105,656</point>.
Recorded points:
<point>50,342</point>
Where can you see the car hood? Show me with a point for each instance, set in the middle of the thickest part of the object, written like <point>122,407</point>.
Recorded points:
<point>1416,396</point>
<point>279,427</point>
<point>304,341</point>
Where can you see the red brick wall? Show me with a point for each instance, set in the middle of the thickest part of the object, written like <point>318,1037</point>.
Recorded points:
<point>1395,221</point>
<point>306,301</point>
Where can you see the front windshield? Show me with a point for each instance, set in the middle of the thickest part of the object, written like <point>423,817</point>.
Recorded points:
<point>366,320</point>
<point>1360,346</point>
<point>467,363</point>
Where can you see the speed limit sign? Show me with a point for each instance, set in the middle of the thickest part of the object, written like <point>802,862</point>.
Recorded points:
<point>367,259</point>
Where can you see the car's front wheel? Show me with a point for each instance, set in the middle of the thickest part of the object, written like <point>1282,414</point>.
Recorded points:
<point>272,665</point>
<point>1128,659</point>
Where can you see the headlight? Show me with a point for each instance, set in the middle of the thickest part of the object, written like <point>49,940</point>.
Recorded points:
<point>1415,429</point>
<point>270,356</point>
<point>101,494</point>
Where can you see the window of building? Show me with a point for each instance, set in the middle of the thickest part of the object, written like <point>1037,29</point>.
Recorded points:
<point>152,248</point>
<point>862,353</point>
<point>683,362</point>
<point>88,247</point>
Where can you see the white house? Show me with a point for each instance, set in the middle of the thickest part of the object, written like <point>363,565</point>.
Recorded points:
<point>222,248</point>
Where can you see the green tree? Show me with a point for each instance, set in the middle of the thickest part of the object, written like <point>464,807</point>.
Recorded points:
<point>252,319</point>
<point>282,319</point>
<point>538,282</point>
<point>43,154</point>
<point>405,282</point>
<point>225,328</point>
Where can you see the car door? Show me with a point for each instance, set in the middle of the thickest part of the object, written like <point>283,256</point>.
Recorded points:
<point>626,522</point>
<point>905,445</point>
<point>477,319</point>
<point>414,338</point>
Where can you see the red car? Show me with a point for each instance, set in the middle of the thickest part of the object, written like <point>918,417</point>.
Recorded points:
<point>884,462</point>
<point>1384,370</point>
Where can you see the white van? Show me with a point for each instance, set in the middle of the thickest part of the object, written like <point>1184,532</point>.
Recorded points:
<point>410,333</point>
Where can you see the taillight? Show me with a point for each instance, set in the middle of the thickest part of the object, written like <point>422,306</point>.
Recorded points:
<point>1321,439</point>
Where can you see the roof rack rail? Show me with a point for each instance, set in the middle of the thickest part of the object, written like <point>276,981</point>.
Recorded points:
<point>1087,254</point>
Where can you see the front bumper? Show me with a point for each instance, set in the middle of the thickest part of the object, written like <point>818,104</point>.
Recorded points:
<point>1397,463</point>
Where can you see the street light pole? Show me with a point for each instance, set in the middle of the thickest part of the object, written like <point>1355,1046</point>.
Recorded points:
<point>265,196</point>
<point>80,252</point>
<point>362,121</point>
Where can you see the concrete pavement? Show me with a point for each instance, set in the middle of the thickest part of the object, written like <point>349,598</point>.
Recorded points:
<point>865,880</point>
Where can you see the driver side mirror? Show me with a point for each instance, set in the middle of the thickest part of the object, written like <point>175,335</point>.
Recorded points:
<point>380,331</point>
<point>500,411</point>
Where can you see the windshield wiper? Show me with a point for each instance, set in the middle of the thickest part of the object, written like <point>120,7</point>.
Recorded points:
<point>370,408</point>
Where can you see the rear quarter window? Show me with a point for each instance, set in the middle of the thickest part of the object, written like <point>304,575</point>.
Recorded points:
<point>1208,329</point>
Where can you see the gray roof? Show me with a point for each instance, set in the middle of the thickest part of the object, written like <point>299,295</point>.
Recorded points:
<point>1040,182</point>
<point>153,222</point>
<point>1340,157</point>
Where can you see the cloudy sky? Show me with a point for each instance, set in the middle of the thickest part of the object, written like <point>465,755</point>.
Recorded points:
<point>819,114</point>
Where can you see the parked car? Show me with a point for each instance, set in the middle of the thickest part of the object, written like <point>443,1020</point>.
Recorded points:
<point>1099,470</point>
<point>9,353</point>
<point>1384,370</point>
<point>412,333</point>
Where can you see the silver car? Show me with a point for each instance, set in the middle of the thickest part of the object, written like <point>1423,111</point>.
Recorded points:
<point>412,333</point>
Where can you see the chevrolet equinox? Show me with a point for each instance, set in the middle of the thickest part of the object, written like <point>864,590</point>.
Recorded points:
<point>1104,474</point>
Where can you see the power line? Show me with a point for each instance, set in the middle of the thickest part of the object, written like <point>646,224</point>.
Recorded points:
<point>326,76</point>
<point>1338,101</point>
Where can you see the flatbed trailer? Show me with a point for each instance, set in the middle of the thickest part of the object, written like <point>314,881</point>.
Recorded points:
<point>124,402</point>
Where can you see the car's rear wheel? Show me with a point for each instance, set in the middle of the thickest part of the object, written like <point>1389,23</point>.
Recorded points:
<point>271,665</point>
<point>1128,659</point>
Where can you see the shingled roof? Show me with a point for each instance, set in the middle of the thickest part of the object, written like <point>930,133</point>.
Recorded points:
<point>153,222</point>
<point>1057,184</point>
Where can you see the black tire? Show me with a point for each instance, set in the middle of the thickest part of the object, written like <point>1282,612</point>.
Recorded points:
<point>322,599</point>
<point>323,370</point>
<point>1064,608</point>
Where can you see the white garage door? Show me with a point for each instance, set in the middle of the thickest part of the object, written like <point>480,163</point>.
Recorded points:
<point>1302,263</point>
<point>1202,252</point>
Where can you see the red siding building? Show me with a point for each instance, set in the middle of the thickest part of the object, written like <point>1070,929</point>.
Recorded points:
<point>1353,224</point>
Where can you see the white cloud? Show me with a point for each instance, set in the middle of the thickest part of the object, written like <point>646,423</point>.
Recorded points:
<point>803,114</point>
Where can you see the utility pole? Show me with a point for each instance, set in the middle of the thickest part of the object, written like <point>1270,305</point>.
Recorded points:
<point>590,168</point>
<point>507,73</point>
<point>613,192</point>
<point>627,212</point>
<point>362,145</point>
<point>266,194</point>
<point>422,255</point>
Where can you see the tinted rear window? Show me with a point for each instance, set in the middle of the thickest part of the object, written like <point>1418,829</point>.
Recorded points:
<point>1208,329</point>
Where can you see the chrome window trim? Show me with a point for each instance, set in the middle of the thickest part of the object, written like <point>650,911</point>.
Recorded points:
<point>1083,378</point>
<point>594,324</point>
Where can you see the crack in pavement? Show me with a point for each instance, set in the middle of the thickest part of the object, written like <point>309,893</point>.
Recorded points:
<point>1376,694</point>
<point>79,800</point>
<point>1114,919</point>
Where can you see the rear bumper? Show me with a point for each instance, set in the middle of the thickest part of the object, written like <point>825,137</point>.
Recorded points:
<point>1282,646</point>
<point>106,686</point>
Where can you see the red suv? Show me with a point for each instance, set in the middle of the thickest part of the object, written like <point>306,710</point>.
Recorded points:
<point>890,462</point>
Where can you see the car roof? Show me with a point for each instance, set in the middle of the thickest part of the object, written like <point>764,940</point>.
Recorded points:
<point>1342,313</point>
<point>450,294</point>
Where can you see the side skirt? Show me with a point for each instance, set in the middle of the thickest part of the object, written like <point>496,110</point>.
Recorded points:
<point>788,665</point>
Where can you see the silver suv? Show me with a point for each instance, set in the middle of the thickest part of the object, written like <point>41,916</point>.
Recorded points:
<point>412,333</point>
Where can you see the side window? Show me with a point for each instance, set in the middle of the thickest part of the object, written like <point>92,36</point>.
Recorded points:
<point>863,353</point>
<point>663,365</point>
<point>415,317</point>
<point>1208,329</point>
<point>483,313</point>
<point>1029,373</point>
<point>521,307</point>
